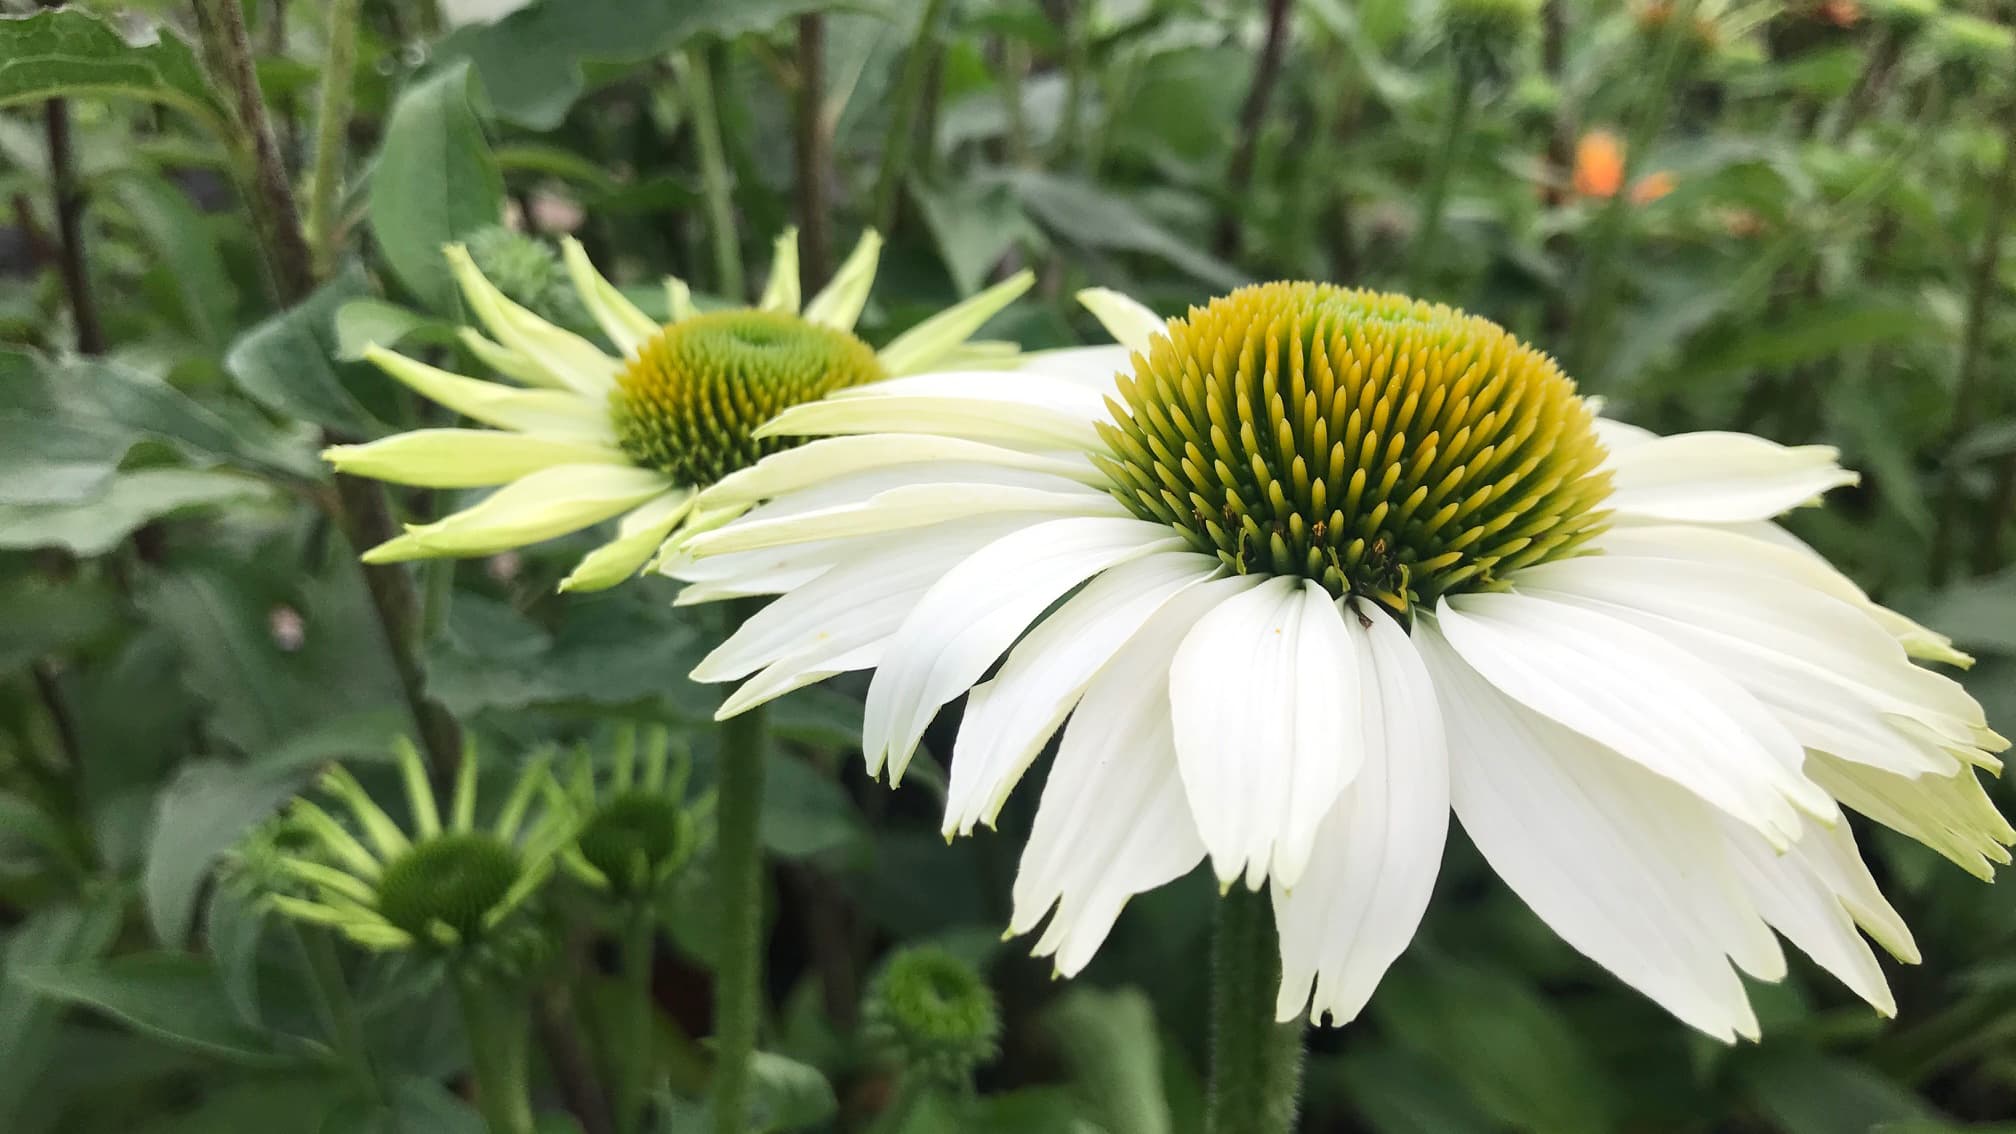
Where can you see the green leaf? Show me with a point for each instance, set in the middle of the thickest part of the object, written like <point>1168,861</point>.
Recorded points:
<point>206,810</point>
<point>1809,1093</point>
<point>267,1102</point>
<point>975,225</point>
<point>131,500</point>
<point>1807,333</point>
<point>284,362</point>
<point>1092,217</point>
<point>411,1106</point>
<point>1980,614</point>
<point>1110,1047</point>
<point>53,935</point>
<point>173,997</point>
<point>40,616</point>
<point>1398,1093</point>
<point>67,53</point>
<point>234,924</point>
<point>807,813</point>
<point>531,60</point>
<point>785,1094</point>
<point>435,182</point>
<point>188,253</point>
<point>364,323</point>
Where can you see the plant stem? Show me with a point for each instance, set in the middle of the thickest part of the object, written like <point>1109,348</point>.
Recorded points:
<point>634,1060</point>
<point>1256,1064</point>
<point>332,124</point>
<point>814,156</point>
<point>697,83</point>
<point>909,1092</point>
<point>903,117</point>
<point>1429,232</point>
<point>497,1026</point>
<point>335,1010</point>
<point>1252,113</point>
<point>739,876</point>
<point>70,229</point>
<point>554,1023</point>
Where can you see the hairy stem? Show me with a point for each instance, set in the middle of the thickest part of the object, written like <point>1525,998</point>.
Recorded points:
<point>634,1044</point>
<point>739,876</point>
<point>1256,1064</point>
<point>814,156</point>
<point>69,201</point>
<point>1252,113</point>
<point>497,1025</point>
<point>696,81</point>
<point>332,124</point>
<point>903,117</point>
<point>1436,200</point>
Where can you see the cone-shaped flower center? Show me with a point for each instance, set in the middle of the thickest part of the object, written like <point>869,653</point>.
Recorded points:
<point>689,402</point>
<point>632,835</point>
<point>1382,446</point>
<point>454,879</point>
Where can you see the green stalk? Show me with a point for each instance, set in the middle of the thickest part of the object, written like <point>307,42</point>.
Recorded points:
<point>909,1092</point>
<point>903,117</point>
<point>334,1009</point>
<point>634,1043</point>
<point>1256,1064</point>
<point>332,122</point>
<point>698,86</point>
<point>1429,232</point>
<point>497,1026</point>
<point>739,875</point>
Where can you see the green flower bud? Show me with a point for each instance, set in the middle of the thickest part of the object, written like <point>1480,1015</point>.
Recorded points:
<point>934,1014</point>
<point>1486,35</point>
<point>528,271</point>
<point>638,828</point>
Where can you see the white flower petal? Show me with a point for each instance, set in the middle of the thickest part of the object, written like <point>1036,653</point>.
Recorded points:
<point>571,360</point>
<point>1617,435</point>
<point>918,348</point>
<point>626,326</point>
<point>829,458</point>
<point>1641,697</point>
<point>1114,820</point>
<point>1951,814</point>
<point>638,538</point>
<point>1010,717</point>
<point>547,503</point>
<point>1720,477</point>
<point>781,293</point>
<point>1096,368</point>
<point>839,303</point>
<point>679,299</point>
<point>1266,693</point>
<point>1131,324</point>
<point>558,413</point>
<point>1380,848</point>
<point>1622,865</point>
<point>509,363</point>
<point>900,509</point>
<point>464,458</point>
<point>973,614</point>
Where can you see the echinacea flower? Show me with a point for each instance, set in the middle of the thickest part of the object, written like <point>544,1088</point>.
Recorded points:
<point>439,885</point>
<point>1322,566</point>
<point>588,436</point>
<point>637,829</point>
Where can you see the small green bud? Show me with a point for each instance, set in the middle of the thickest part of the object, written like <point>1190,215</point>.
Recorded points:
<point>935,1014</point>
<point>1486,35</point>
<point>528,271</point>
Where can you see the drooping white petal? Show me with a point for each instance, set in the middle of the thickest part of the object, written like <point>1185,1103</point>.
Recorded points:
<point>638,538</point>
<point>1950,814</point>
<point>557,413</point>
<point>568,358</point>
<point>509,363</point>
<point>1010,717</point>
<point>626,326</point>
<point>1378,851</point>
<point>827,458</point>
<point>1114,820</point>
<point>547,503</point>
<point>464,458</point>
<point>1131,324</point>
<point>1720,477</point>
<point>972,615</point>
<point>1010,408</point>
<point>780,293</point>
<point>679,299</point>
<point>839,303</point>
<point>920,347</point>
<point>1641,697</point>
<point>903,508</point>
<point>1621,864</point>
<point>1096,368</point>
<point>1266,692</point>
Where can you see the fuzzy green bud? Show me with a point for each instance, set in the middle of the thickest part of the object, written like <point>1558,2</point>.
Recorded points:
<point>528,271</point>
<point>1486,35</point>
<point>935,1014</point>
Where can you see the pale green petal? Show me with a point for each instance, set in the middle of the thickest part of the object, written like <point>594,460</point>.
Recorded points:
<point>336,841</point>
<point>1131,324</point>
<point>419,792</point>
<point>571,360</point>
<point>509,363</point>
<point>464,458</point>
<point>462,804</point>
<point>555,412</point>
<point>829,458</point>
<point>839,303</point>
<point>548,503</point>
<point>980,354</point>
<point>920,347</point>
<point>781,293</point>
<point>679,299</point>
<point>329,878</point>
<point>619,318</point>
<point>381,936</point>
<point>301,909</point>
<point>385,835</point>
<point>520,799</point>
<point>637,538</point>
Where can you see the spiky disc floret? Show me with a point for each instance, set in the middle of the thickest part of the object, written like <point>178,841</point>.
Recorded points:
<point>635,836</point>
<point>933,1012</point>
<point>1382,446</point>
<point>689,403</point>
<point>456,879</point>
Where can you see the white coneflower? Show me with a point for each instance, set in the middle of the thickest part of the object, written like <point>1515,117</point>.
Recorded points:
<point>589,437</point>
<point>1321,566</point>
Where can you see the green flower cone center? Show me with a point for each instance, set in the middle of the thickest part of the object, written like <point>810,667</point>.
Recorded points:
<point>690,401</point>
<point>632,836</point>
<point>455,879</point>
<point>936,1012</point>
<point>1386,448</point>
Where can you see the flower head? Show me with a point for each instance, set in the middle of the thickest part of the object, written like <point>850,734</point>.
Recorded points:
<point>435,886</point>
<point>637,829</point>
<point>935,1014</point>
<point>1307,569</point>
<point>585,436</point>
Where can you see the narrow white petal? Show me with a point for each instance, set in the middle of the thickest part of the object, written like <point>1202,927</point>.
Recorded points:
<point>1114,821</point>
<point>507,362</point>
<point>571,360</point>
<point>638,538</point>
<point>1130,323</point>
<point>556,412</point>
<point>1617,435</point>
<point>1380,848</point>
<point>827,458</point>
<point>1720,477</point>
<point>464,458</point>
<point>780,293</point>
<point>1010,717</point>
<point>918,348</point>
<point>1095,368</point>
<point>679,299</point>
<point>1951,814</point>
<point>1799,902</point>
<point>839,303</point>
<point>1623,866</point>
<point>1010,408</point>
<point>901,509</point>
<point>1641,697</point>
<point>1266,691</point>
<point>547,503</point>
<point>626,326</point>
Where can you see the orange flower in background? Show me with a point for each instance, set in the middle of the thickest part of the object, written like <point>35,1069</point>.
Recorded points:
<point>1599,170</point>
<point>1651,187</point>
